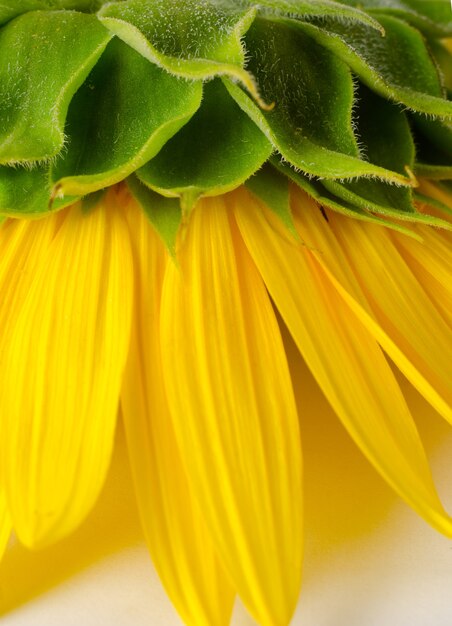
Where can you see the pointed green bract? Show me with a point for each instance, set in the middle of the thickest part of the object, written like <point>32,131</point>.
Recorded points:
<point>386,140</point>
<point>316,190</point>
<point>165,214</point>
<point>215,152</point>
<point>82,109</point>
<point>305,9</point>
<point>398,66</point>
<point>195,39</point>
<point>434,17</point>
<point>44,58</point>
<point>115,125</point>
<point>311,123</point>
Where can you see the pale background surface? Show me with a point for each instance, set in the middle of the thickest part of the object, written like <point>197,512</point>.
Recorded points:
<point>369,561</point>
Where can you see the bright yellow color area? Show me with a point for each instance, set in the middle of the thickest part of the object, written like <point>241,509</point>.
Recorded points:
<point>234,413</point>
<point>96,315</point>
<point>175,531</point>
<point>62,362</point>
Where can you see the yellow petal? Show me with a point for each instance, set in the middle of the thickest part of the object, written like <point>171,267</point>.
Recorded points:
<point>431,263</point>
<point>21,243</point>
<point>398,301</point>
<point>233,410</point>
<point>343,357</point>
<point>325,246</point>
<point>5,524</point>
<point>62,363</point>
<point>175,531</point>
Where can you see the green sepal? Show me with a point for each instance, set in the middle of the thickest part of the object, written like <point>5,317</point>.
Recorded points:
<point>215,152</point>
<point>397,66</point>
<point>165,214</point>
<point>430,16</point>
<point>324,198</point>
<point>25,192</point>
<point>188,38</point>
<point>386,139</point>
<point>311,123</point>
<point>44,59</point>
<point>272,187</point>
<point>115,125</point>
<point>344,195</point>
<point>305,9</point>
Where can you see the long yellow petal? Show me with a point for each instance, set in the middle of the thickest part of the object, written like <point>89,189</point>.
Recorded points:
<point>5,524</point>
<point>62,363</point>
<point>431,263</point>
<point>343,357</point>
<point>325,246</point>
<point>233,410</point>
<point>398,301</point>
<point>175,531</point>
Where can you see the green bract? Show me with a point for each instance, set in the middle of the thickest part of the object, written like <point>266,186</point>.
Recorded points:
<point>186,98</point>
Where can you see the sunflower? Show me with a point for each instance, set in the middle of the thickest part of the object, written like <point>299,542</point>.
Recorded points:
<point>173,177</point>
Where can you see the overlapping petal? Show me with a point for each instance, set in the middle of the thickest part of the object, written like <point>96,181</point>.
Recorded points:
<point>342,354</point>
<point>400,304</point>
<point>175,531</point>
<point>62,363</point>
<point>233,411</point>
<point>431,263</point>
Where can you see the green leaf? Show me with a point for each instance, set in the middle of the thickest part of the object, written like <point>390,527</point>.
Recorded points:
<point>195,39</point>
<point>431,16</point>
<point>311,123</point>
<point>215,152</point>
<point>386,139</point>
<point>125,112</point>
<point>397,66</point>
<point>305,9</point>
<point>25,192</point>
<point>272,187</point>
<point>44,58</point>
<point>165,214</point>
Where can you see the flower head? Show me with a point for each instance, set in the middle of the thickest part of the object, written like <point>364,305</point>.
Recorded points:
<point>171,174</point>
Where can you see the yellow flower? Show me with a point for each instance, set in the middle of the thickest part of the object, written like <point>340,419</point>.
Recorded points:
<point>180,182</point>
<point>96,312</point>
